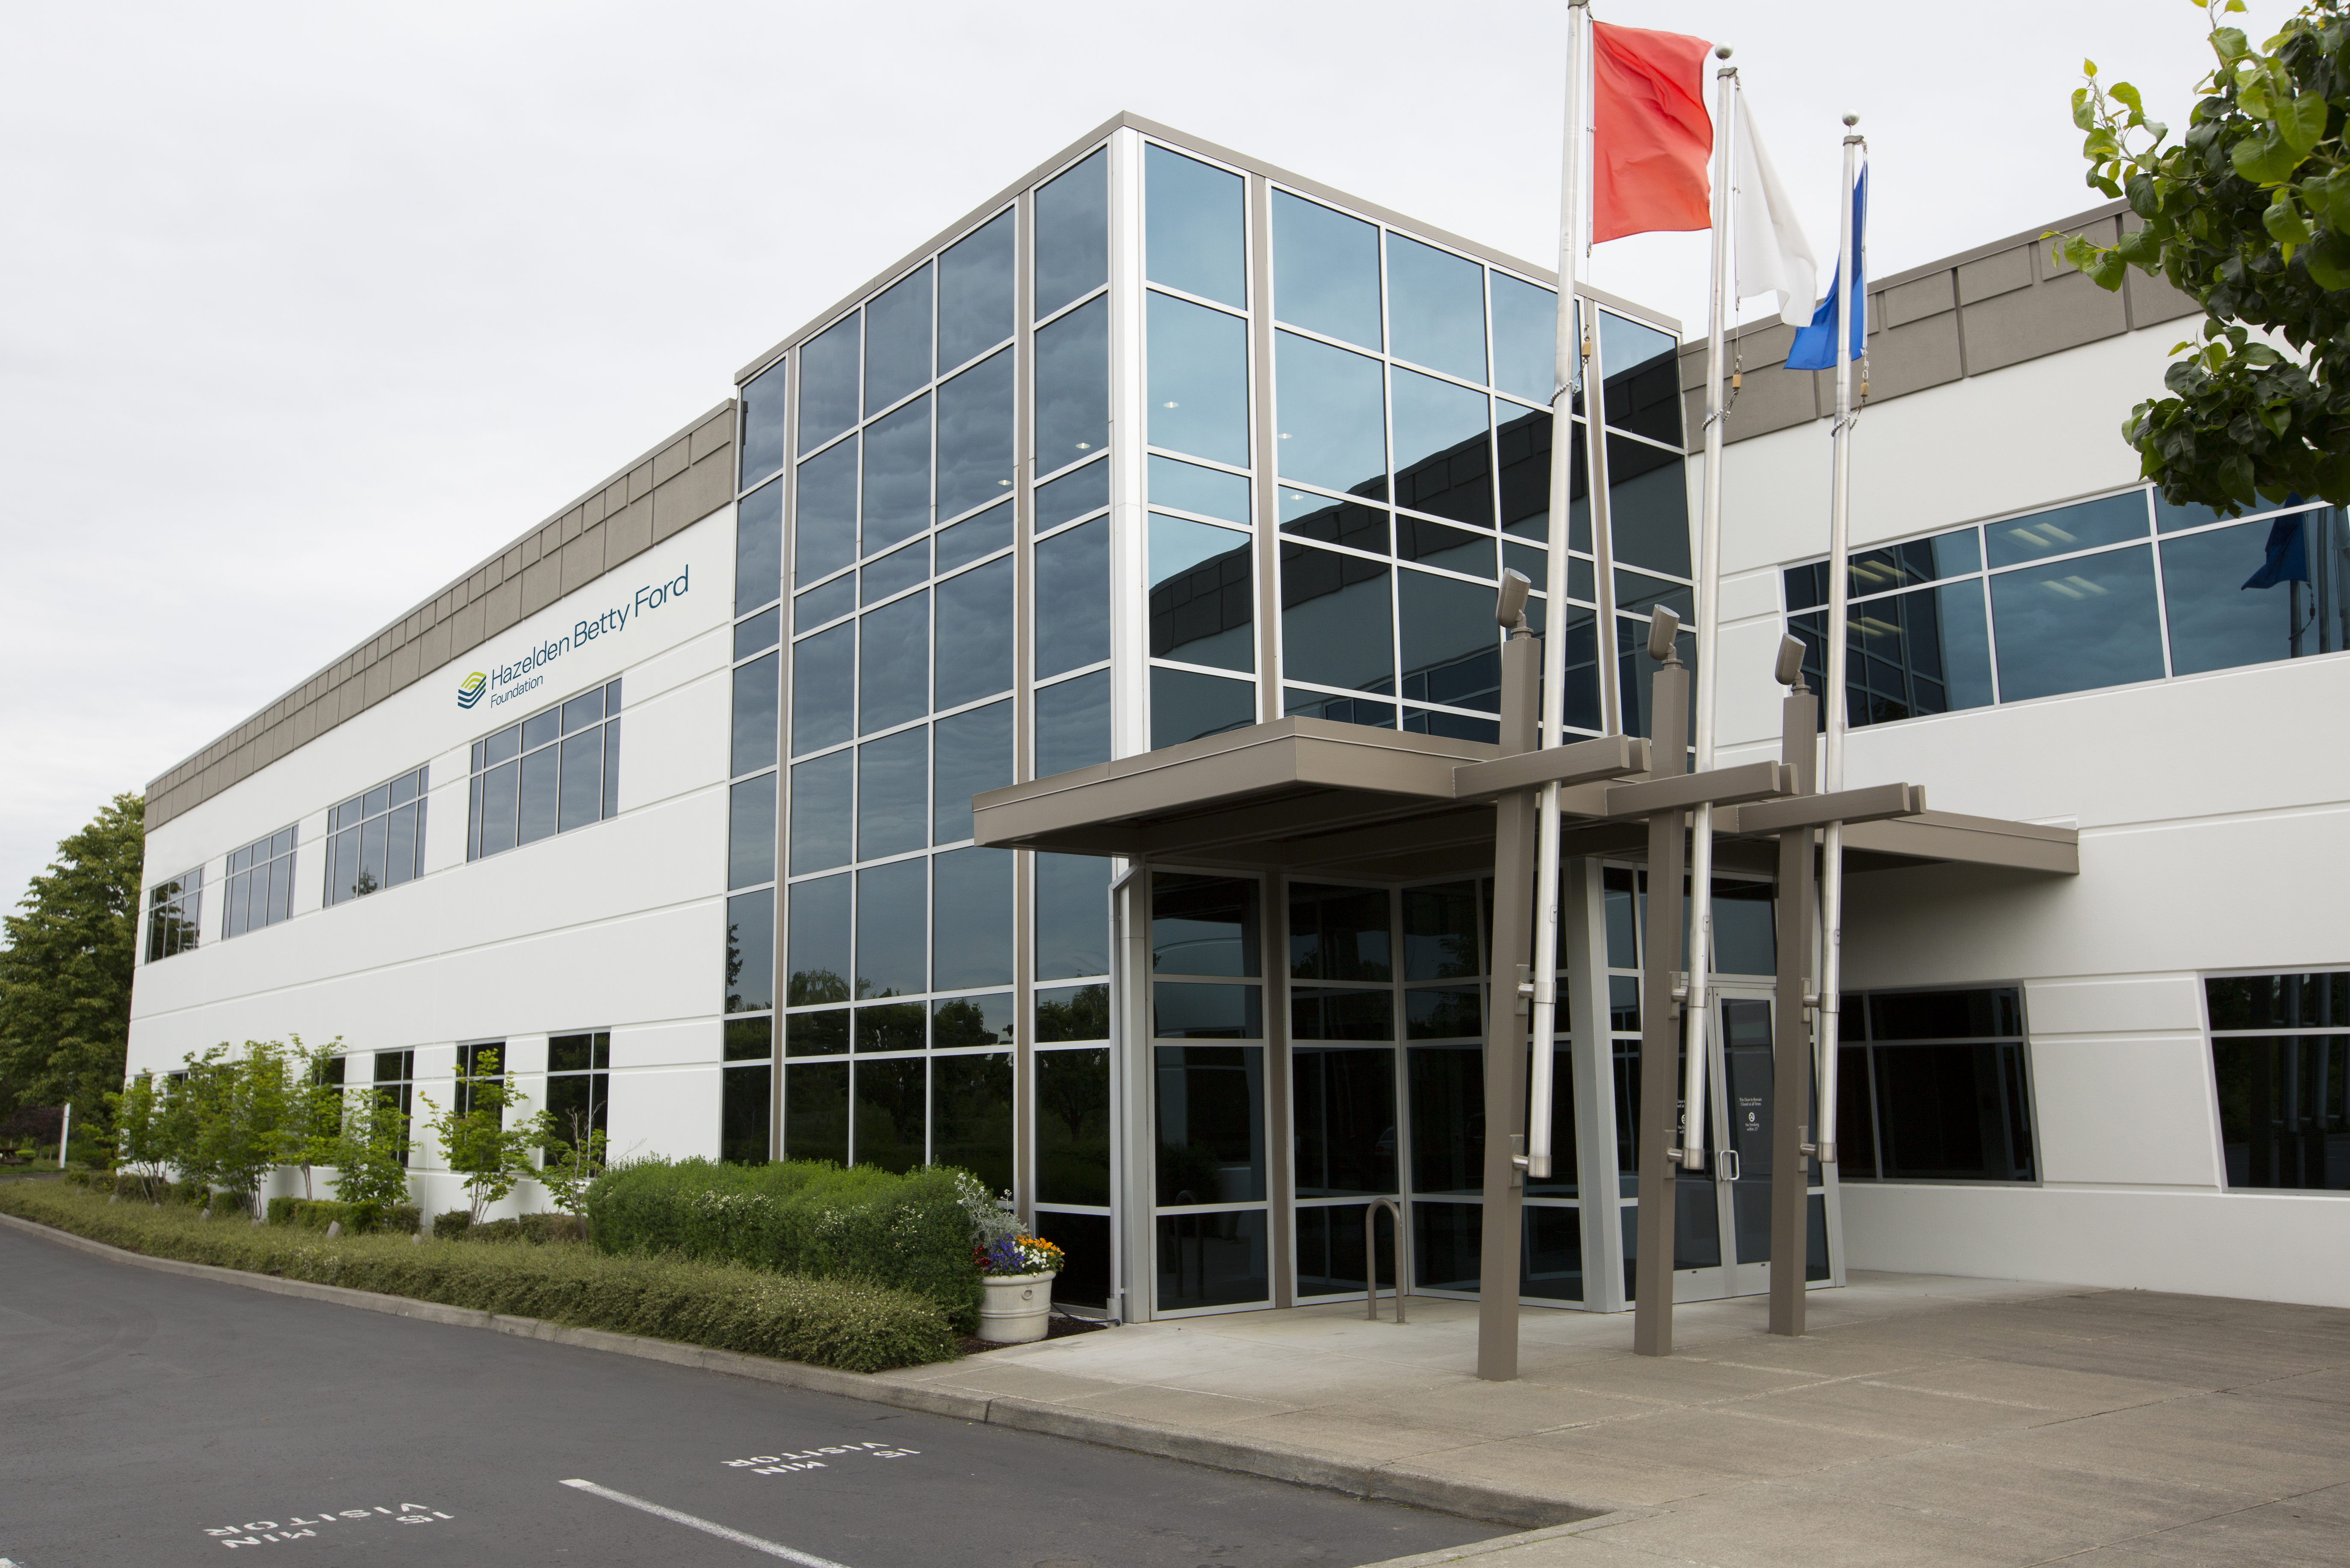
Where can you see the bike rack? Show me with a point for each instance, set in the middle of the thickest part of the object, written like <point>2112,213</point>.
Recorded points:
<point>1371,1257</point>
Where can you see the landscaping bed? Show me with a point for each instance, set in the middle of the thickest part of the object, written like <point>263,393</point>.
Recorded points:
<point>844,1323</point>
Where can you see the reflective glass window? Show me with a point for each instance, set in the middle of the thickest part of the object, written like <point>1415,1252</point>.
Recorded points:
<point>1188,487</point>
<point>1201,606</point>
<point>2081,527</point>
<point>751,951</point>
<point>1436,308</point>
<point>972,537</point>
<point>893,794</point>
<point>1073,926</point>
<point>824,684</point>
<point>816,1112</point>
<point>754,716</point>
<point>974,634</point>
<point>1443,448</point>
<point>970,1113</point>
<point>975,291</point>
<point>2222,615</point>
<point>1199,380</point>
<point>1215,1258</point>
<point>1186,705</point>
<point>1187,1010</point>
<point>890,1101</point>
<point>1336,629</point>
<point>975,458</point>
<point>898,340</point>
<point>1338,933</point>
<point>819,940</point>
<point>1451,649</point>
<point>583,780</point>
<point>2167,517</point>
<point>1918,561</point>
<point>893,928</point>
<point>970,918</point>
<point>750,832</point>
<point>1347,523</point>
<point>761,631</point>
<point>1647,505</point>
<point>1073,386</point>
<point>817,1033</point>
<point>1922,652</point>
<point>1454,549</point>
<point>1191,227</point>
<point>894,670</point>
<point>822,792</point>
<point>1073,233</point>
<point>965,1021</point>
<point>1211,1107</point>
<point>759,547</point>
<point>1073,577</point>
<point>894,572</point>
<point>1072,1013</point>
<point>763,426</point>
<point>1073,495</point>
<point>896,477</point>
<point>1447,1085</point>
<point>828,603</point>
<point>2074,625</point>
<point>1325,270</point>
<point>1642,389</point>
<point>1523,445</point>
<point>1328,1013</point>
<point>824,513</point>
<point>1297,703</point>
<point>746,1104</point>
<point>1073,1128</point>
<point>1526,339</point>
<point>1204,925</point>
<point>1441,932</point>
<point>828,382</point>
<point>1073,723</point>
<point>973,755</point>
<point>2284,1111</point>
<point>1332,424</point>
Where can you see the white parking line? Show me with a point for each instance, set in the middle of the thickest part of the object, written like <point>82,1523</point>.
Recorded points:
<point>805,1559</point>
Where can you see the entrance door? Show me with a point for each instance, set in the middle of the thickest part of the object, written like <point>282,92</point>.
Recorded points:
<point>1723,1212</point>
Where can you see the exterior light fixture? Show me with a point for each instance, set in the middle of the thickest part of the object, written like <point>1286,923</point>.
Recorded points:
<point>1662,629</point>
<point>1789,669</point>
<point>1509,603</point>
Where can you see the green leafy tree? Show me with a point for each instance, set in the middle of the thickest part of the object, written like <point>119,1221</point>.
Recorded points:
<point>65,971</point>
<point>240,1114</point>
<point>141,1147</point>
<point>574,1159</point>
<point>312,1127</point>
<point>367,1153</point>
<point>473,1138</point>
<point>2249,214</point>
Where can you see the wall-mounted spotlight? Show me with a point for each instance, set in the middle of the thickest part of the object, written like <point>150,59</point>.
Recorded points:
<point>1665,627</point>
<point>1510,604</point>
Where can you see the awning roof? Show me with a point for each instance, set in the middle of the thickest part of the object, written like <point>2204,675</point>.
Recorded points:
<point>1307,795</point>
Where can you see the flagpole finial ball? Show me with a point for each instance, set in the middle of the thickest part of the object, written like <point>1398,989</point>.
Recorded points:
<point>1851,120</point>
<point>1721,51</point>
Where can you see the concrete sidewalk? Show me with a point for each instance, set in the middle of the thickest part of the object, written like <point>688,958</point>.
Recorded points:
<point>1922,1420</point>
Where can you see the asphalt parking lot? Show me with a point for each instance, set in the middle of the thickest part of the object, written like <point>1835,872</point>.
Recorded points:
<point>147,1418</point>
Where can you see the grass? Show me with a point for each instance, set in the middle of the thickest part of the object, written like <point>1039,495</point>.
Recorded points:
<point>850,1324</point>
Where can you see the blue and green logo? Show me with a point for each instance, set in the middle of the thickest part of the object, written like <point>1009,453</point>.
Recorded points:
<point>471,691</point>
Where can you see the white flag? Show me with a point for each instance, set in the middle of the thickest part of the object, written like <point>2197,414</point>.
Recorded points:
<point>1773,258</point>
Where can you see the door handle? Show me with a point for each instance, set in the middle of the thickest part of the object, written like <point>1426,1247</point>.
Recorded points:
<point>1726,1164</point>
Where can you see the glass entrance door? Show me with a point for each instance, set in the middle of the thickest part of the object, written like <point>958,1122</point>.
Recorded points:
<point>1744,1080</point>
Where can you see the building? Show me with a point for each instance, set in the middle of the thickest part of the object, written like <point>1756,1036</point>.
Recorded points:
<point>1164,458</point>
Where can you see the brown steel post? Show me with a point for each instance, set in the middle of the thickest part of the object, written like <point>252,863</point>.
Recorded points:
<point>1660,1077</point>
<point>1506,1014</point>
<point>1791,1074</point>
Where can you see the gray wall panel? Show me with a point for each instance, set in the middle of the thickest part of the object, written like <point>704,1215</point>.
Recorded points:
<point>2025,324</point>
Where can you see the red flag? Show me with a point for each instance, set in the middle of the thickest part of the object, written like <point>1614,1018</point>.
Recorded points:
<point>1651,137</point>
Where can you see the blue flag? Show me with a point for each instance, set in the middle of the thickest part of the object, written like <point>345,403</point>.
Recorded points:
<point>1814,346</point>
<point>2288,559</point>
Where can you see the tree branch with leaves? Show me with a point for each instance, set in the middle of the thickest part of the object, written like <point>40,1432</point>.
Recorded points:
<point>2248,214</point>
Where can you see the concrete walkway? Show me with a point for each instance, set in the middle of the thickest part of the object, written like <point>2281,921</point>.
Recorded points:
<point>1923,1420</point>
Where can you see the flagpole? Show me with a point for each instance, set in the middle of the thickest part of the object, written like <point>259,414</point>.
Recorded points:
<point>1695,1008</point>
<point>1567,372</point>
<point>1839,557</point>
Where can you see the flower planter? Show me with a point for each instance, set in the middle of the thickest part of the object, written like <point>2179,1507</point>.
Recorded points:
<point>1015,1308</point>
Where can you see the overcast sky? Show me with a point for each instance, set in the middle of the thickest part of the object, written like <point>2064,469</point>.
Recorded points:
<point>308,307</point>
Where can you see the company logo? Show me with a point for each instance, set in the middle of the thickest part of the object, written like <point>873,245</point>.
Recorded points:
<point>471,691</point>
<point>503,682</point>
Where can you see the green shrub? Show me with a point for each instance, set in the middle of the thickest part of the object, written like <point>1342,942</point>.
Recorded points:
<point>847,1324</point>
<point>281,1211</point>
<point>535,1227</point>
<point>448,1227</point>
<point>808,1218</point>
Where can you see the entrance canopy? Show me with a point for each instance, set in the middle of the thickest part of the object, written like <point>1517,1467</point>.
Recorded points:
<point>1310,795</point>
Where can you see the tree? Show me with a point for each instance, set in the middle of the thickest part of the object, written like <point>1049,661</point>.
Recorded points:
<point>312,1127</point>
<point>474,1140</point>
<point>239,1103</point>
<point>65,972</point>
<point>2249,214</point>
<point>141,1141</point>
<point>367,1153</point>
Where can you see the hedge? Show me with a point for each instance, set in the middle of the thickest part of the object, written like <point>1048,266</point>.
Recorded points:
<point>847,1323</point>
<point>356,1219</point>
<point>808,1218</point>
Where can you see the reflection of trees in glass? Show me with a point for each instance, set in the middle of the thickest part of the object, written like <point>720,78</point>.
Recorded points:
<point>1073,1127</point>
<point>1439,932</point>
<point>809,987</point>
<point>897,1090</point>
<point>963,1021</point>
<point>1080,1013</point>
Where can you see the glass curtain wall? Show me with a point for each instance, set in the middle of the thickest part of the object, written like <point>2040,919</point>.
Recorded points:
<point>2105,592</point>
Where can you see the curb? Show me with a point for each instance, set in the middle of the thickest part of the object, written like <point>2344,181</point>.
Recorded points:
<point>1273,1462</point>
